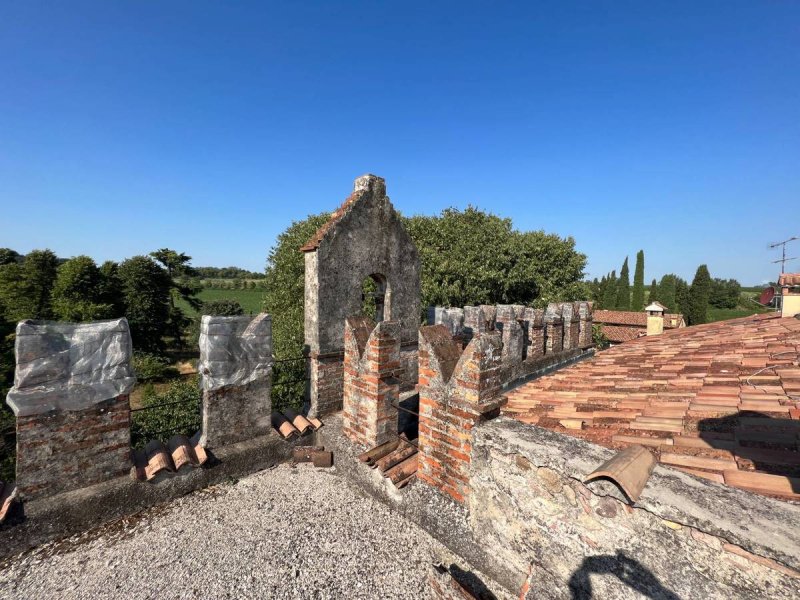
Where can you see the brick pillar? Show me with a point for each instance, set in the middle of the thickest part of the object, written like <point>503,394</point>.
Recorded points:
<point>571,324</point>
<point>236,377</point>
<point>457,391</point>
<point>554,329</point>
<point>513,334</point>
<point>371,380</point>
<point>70,397</point>
<point>536,332</point>
<point>585,339</point>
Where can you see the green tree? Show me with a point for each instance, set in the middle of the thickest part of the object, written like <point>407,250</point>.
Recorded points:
<point>26,287</point>
<point>111,288</point>
<point>285,286</point>
<point>725,293</point>
<point>474,257</point>
<point>667,289</point>
<point>181,274</point>
<point>624,288</point>
<point>637,299</point>
<point>699,293</point>
<point>146,287</point>
<point>610,293</point>
<point>682,297</point>
<point>78,292</point>
<point>653,294</point>
<point>9,256</point>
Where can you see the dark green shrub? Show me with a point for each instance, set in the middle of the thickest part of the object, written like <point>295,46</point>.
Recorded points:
<point>152,367</point>
<point>164,414</point>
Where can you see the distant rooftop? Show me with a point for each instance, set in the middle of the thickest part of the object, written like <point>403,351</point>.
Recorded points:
<point>625,325</point>
<point>721,401</point>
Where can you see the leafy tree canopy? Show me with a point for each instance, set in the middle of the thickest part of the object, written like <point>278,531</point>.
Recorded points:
<point>78,292</point>
<point>146,287</point>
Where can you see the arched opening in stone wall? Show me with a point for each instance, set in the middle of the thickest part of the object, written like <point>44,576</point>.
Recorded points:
<point>375,298</point>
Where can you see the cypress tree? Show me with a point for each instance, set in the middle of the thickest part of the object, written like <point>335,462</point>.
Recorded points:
<point>610,293</point>
<point>699,293</point>
<point>624,288</point>
<point>682,297</point>
<point>637,301</point>
<point>667,292</point>
<point>653,296</point>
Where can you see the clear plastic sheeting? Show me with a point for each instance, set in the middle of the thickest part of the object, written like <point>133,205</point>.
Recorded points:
<point>68,366</point>
<point>234,350</point>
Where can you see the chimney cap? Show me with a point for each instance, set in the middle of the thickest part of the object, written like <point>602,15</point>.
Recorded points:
<point>655,307</point>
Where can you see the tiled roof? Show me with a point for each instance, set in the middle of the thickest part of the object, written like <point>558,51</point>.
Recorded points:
<point>721,401</point>
<point>629,317</point>
<point>621,333</point>
<point>789,279</point>
<point>315,241</point>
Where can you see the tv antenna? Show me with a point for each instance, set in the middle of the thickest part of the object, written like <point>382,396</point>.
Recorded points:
<point>783,260</point>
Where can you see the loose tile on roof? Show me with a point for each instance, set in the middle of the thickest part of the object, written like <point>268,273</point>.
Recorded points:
<point>8,495</point>
<point>396,459</point>
<point>713,400</point>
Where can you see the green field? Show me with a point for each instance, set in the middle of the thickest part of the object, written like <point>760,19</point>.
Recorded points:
<point>249,299</point>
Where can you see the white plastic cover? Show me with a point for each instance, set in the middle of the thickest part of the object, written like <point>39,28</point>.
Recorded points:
<point>234,350</point>
<point>69,366</point>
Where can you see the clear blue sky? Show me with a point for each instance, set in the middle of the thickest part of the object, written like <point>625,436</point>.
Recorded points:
<point>209,126</point>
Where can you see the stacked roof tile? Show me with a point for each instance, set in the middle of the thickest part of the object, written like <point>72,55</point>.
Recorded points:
<point>397,460</point>
<point>290,424</point>
<point>789,279</point>
<point>721,401</point>
<point>177,453</point>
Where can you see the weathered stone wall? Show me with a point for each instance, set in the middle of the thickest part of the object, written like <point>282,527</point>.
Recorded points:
<point>364,238</point>
<point>236,375</point>
<point>533,339</point>
<point>371,383</point>
<point>60,451</point>
<point>457,390</point>
<point>70,397</point>
<point>684,538</point>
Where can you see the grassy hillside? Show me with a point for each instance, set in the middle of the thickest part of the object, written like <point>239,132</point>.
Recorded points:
<point>249,299</point>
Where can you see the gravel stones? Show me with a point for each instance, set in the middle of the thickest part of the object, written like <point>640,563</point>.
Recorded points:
<point>288,532</point>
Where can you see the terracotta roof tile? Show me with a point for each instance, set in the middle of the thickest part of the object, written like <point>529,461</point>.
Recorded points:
<point>8,495</point>
<point>178,452</point>
<point>396,460</point>
<point>714,399</point>
<point>337,215</point>
<point>789,279</point>
<point>637,318</point>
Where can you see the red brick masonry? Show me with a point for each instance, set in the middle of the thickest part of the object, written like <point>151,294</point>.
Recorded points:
<point>371,380</point>
<point>457,390</point>
<point>67,450</point>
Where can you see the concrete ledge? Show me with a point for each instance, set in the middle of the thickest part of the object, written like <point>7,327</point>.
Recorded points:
<point>72,512</point>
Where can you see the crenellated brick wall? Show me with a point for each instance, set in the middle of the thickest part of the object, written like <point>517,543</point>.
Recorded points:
<point>372,368</point>
<point>533,339</point>
<point>60,451</point>
<point>70,397</point>
<point>236,374</point>
<point>457,390</point>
